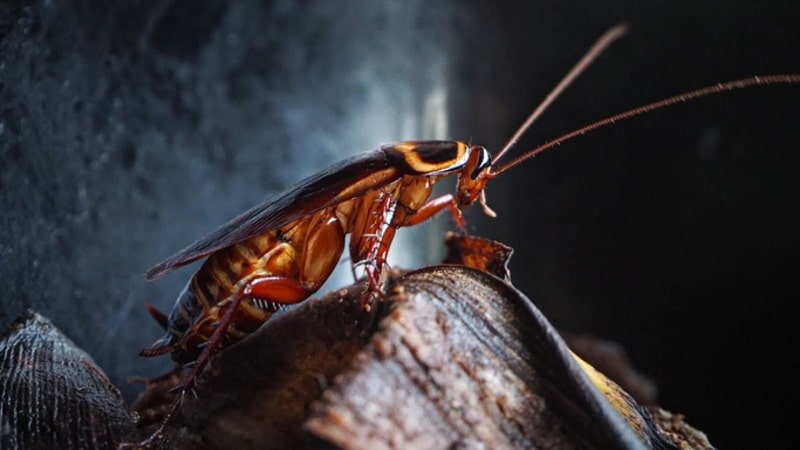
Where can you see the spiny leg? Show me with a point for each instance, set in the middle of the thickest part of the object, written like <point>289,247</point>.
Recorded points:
<point>374,247</point>
<point>280,290</point>
<point>433,207</point>
<point>191,379</point>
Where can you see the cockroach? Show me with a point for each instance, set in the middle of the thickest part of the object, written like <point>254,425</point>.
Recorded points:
<point>280,252</point>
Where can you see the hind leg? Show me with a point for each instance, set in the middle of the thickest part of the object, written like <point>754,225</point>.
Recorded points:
<point>278,290</point>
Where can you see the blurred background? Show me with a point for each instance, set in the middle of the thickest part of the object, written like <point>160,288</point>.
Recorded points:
<point>128,129</point>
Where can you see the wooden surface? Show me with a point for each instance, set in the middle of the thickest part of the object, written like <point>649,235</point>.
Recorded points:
<point>450,358</point>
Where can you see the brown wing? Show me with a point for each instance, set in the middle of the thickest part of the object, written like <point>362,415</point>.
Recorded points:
<point>333,185</point>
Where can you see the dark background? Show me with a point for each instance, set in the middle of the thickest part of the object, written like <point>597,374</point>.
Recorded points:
<point>128,129</point>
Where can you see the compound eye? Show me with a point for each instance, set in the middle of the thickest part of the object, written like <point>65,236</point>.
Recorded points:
<point>484,161</point>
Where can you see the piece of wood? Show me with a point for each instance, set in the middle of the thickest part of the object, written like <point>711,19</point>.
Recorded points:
<point>450,358</point>
<point>460,363</point>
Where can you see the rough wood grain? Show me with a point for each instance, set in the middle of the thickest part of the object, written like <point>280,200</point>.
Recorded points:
<point>459,365</point>
<point>450,358</point>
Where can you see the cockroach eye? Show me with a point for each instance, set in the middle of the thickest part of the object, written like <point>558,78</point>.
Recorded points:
<point>485,161</point>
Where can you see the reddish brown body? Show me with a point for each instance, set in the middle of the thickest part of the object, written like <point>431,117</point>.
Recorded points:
<point>253,277</point>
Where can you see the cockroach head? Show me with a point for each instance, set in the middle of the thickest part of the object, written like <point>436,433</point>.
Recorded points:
<point>473,178</point>
<point>480,160</point>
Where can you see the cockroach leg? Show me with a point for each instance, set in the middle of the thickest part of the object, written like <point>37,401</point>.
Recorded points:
<point>276,290</point>
<point>191,379</point>
<point>374,246</point>
<point>435,206</point>
<point>280,290</point>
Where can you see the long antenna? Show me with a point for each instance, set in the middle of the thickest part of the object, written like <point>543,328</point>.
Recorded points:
<point>765,80</point>
<point>599,46</point>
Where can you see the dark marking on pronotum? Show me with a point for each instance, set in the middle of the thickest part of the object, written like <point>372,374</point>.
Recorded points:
<point>426,157</point>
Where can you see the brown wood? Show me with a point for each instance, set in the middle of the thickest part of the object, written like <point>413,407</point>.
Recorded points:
<point>452,357</point>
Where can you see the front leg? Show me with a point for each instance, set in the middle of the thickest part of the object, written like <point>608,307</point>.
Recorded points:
<point>433,207</point>
<point>372,247</point>
<point>369,244</point>
<point>394,218</point>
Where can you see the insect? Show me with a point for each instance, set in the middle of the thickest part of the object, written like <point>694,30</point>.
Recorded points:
<point>280,252</point>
